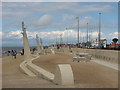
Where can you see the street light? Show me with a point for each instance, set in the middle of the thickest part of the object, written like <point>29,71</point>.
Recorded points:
<point>87,35</point>
<point>87,32</point>
<point>61,38</point>
<point>67,35</point>
<point>99,35</point>
<point>78,30</point>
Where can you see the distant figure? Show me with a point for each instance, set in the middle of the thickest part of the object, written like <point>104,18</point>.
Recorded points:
<point>8,53</point>
<point>13,54</point>
<point>70,47</point>
<point>22,52</point>
<point>34,50</point>
<point>58,47</point>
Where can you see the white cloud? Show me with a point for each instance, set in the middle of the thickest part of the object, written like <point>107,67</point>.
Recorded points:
<point>44,20</point>
<point>0,33</point>
<point>48,16</point>
<point>54,36</point>
<point>12,35</point>
<point>0,36</point>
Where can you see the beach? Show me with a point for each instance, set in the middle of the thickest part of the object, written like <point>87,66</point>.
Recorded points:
<point>86,74</point>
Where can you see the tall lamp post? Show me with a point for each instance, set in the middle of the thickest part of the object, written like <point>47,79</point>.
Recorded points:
<point>67,35</point>
<point>87,34</point>
<point>61,38</point>
<point>99,35</point>
<point>78,31</point>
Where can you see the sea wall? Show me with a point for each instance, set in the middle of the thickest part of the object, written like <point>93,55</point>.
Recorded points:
<point>106,55</point>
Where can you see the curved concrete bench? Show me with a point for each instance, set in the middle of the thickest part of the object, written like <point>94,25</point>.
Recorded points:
<point>25,69</point>
<point>40,72</point>
<point>63,74</point>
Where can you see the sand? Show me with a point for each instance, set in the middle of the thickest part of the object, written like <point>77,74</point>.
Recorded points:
<point>87,75</point>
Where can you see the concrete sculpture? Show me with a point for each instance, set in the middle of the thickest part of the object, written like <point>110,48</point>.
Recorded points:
<point>27,53</point>
<point>41,43</point>
<point>38,44</point>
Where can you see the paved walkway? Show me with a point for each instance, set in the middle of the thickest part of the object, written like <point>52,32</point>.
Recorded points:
<point>107,64</point>
<point>13,77</point>
<point>87,75</point>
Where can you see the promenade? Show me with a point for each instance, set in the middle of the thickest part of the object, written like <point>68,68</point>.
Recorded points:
<point>86,74</point>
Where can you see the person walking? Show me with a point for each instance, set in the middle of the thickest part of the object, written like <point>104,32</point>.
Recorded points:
<point>8,53</point>
<point>22,52</point>
<point>14,54</point>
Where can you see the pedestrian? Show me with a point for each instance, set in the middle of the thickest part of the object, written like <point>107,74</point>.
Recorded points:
<point>14,54</point>
<point>34,50</point>
<point>15,51</point>
<point>8,53</point>
<point>58,47</point>
<point>21,52</point>
<point>69,47</point>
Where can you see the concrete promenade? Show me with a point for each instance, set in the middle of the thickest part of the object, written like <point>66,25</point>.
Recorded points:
<point>86,74</point>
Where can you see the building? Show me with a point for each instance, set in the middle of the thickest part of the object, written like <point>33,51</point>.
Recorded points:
<point>95,44</point>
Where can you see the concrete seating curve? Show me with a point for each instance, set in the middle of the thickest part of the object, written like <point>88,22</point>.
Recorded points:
<point>40,72</point>
<point>25,69</point>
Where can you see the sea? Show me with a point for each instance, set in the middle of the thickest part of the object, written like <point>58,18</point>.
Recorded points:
<point>4,50</point>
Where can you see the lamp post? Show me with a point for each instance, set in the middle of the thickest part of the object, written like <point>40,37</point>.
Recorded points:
<point>78,31</point>
<point>61,38</point>
<point>87,34</point>
<point>99,35</point>
<point>67,35</point>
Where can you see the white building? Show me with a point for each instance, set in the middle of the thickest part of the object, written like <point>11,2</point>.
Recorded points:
<point>103,43</point>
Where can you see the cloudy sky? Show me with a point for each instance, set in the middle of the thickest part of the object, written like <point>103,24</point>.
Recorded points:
<point>50,19</point>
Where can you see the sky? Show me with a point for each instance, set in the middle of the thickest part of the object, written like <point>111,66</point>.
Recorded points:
<point>50,19</point>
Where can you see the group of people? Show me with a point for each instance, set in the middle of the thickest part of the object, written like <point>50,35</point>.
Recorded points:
<point>33,50</point>
<point>12,53</point>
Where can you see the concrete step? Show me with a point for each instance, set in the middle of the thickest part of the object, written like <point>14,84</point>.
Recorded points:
<point>26,70</point>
